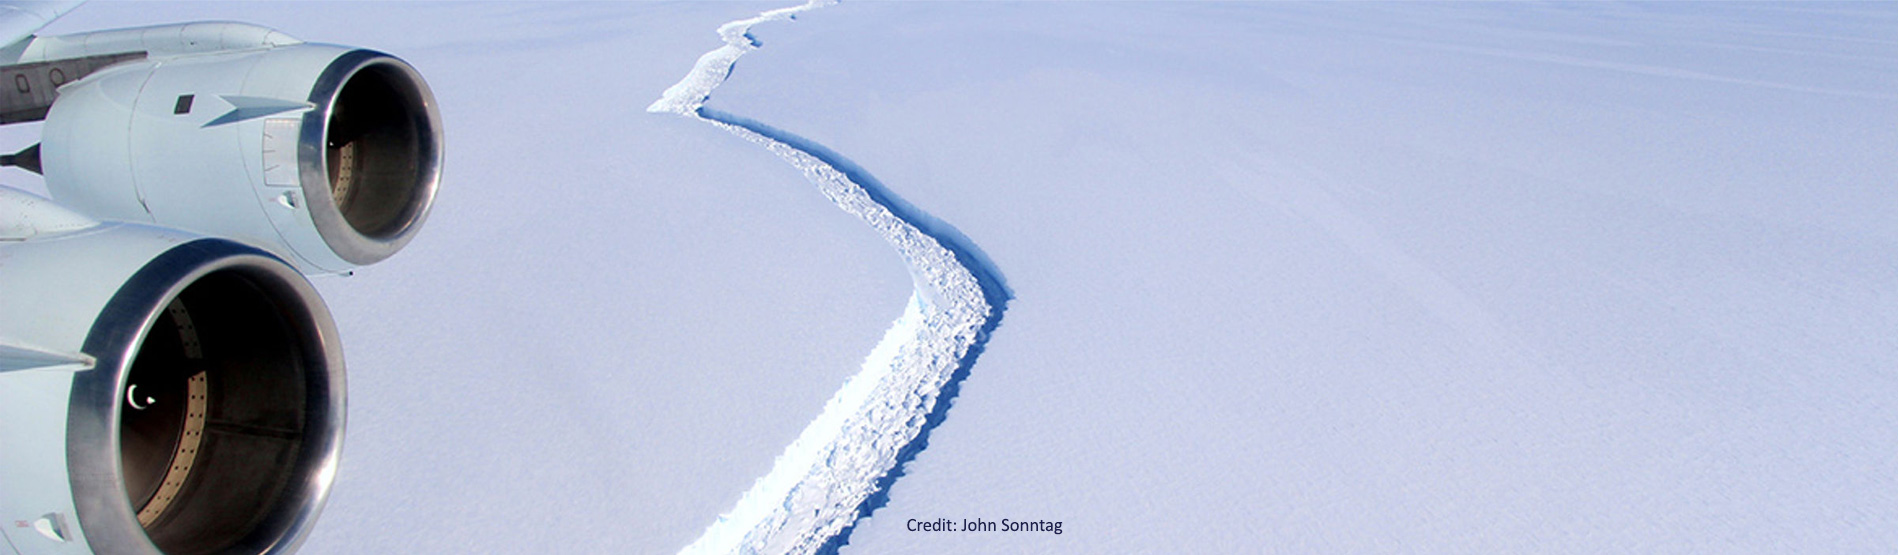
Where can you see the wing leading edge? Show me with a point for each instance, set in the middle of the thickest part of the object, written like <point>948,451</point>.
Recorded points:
<point>19,20</point>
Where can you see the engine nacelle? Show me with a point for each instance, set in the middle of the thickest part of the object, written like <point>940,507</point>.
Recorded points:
<point>200,406</point>
<point>327,155</point>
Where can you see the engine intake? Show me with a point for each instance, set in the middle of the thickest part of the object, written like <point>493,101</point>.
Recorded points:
<point>381,154</point>
<point>214,418</point>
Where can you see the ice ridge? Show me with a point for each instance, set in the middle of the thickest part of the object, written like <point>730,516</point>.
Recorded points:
<point>842,464</point>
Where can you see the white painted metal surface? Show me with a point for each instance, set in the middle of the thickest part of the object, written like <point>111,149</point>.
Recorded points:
<point>61,283</point>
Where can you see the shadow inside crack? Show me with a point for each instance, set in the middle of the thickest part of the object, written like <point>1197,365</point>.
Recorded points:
<point>994,286</point>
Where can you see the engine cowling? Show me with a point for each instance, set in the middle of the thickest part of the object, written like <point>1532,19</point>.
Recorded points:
<point>327,155</point>
<point>204,409</point>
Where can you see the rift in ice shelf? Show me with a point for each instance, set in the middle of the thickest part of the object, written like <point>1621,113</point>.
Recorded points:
<point>169,380</point>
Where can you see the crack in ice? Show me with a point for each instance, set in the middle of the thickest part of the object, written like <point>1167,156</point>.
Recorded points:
<point>844,460</point>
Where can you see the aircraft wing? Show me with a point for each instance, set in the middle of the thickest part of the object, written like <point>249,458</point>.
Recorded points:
<point>19,20</point>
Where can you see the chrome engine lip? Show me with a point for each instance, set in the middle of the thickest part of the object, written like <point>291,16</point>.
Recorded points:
<point>344,239</point>
<point>106,517</point>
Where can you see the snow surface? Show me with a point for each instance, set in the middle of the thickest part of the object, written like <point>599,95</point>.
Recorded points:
<point>1370,277</point>
<point>1286,277</point>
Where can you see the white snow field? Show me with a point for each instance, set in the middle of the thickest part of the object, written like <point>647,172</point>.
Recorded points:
<point>1372,278</point>
<point>1279,277</point>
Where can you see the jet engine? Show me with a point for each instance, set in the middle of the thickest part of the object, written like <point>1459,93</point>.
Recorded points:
<point>328,155</point>
<point>188,398</point>
<point>170,382</point>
